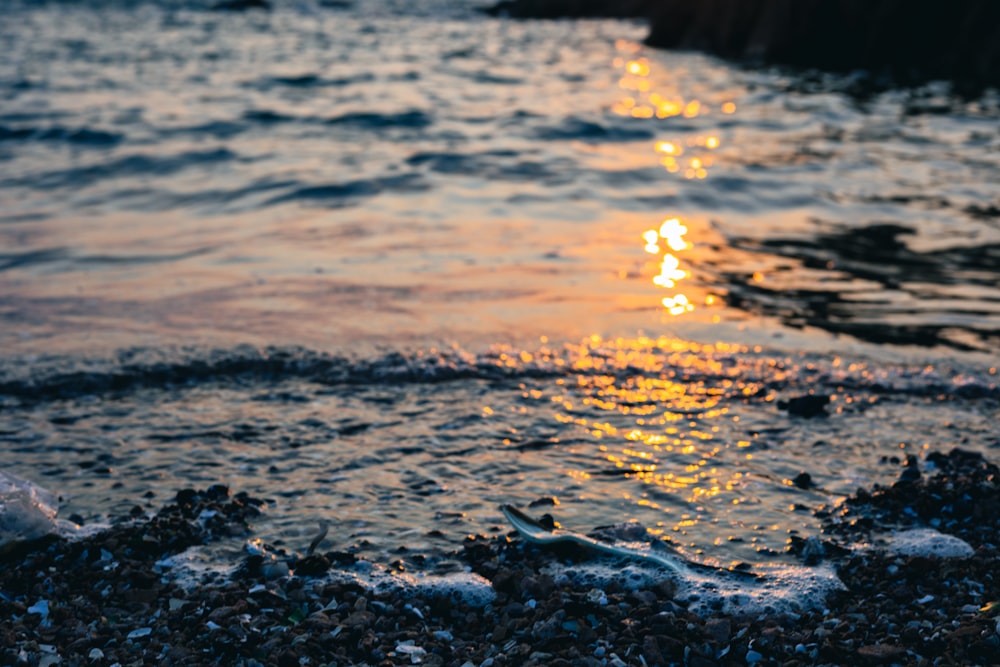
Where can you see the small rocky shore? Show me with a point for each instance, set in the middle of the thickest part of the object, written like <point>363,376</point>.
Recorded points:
<point>104,600</point>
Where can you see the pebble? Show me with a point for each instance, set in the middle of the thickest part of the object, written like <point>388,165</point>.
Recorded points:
<point>924,606</point>
<point>41,608</point>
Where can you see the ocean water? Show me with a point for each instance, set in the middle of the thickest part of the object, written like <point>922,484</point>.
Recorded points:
<point>391,265</point>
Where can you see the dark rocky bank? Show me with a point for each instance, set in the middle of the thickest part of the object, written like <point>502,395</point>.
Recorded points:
<point>909,41</point>
<point>102,600</point>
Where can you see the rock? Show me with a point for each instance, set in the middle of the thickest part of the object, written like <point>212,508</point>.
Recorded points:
<point>27,511</point>
<point>908,39</point>
<point>240,5</point>
<point>359,619</point>
<point>312,566</point>
<point>807,406</point>
<point>880,653</point>
<point>651,651</point>
<point>719,629</point>
<point>803,481</point>
<point>911,470</point>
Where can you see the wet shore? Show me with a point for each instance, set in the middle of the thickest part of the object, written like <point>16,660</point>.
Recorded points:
<point>108,598</point>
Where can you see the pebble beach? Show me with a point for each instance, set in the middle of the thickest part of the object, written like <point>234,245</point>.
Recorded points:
<point>322,322</point>
<point>109,599</point>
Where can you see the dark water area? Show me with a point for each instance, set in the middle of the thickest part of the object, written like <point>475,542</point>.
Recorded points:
<point>395,264</point>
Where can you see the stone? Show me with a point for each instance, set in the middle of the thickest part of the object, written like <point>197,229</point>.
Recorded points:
<point>240,5</point>
<point>881,653</point>
<point>806,406</point>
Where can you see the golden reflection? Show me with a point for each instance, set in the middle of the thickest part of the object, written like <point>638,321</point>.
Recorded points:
<point>669,272</point>
<point>671,233</point>
<point>643,100</point>
<point>658,424</point>
<point>638,67</point>
<point>668,148</point>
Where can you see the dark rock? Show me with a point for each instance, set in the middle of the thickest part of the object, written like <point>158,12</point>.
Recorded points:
<point>702,661</point>
<point>880,653</point>
<point>911,471</point>
<point>359,619</point>
<point>719,629</point>
<point>312,566</point>
<point>807,406</point>
<point>651,651</point>
<point>803,480</point>
<point>911,40</point>
<point>539,585</point>
<point>240,5</point>
<point>985,651</point>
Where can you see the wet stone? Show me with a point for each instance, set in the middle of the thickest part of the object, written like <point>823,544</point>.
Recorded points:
<point>880,653</point>
<point>803,480</point>
<point>719,629</point>
<point>807,406</point>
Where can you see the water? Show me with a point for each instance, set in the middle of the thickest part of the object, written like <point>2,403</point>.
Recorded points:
<point>393,265</point>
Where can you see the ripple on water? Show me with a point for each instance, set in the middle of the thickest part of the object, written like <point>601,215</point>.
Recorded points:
<point>420,450</point>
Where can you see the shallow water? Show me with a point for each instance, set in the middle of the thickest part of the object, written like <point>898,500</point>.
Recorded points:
<point>393,266</point>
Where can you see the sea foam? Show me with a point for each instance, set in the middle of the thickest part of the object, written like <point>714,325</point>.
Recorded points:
<point>929,542</point>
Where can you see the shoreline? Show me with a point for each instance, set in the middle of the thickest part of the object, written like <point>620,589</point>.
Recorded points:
<point>103,599</point>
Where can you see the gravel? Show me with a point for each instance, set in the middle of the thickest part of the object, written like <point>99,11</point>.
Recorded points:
<point>103,600</point>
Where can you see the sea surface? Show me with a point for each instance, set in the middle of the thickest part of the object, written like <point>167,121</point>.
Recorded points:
<point>393,264</point>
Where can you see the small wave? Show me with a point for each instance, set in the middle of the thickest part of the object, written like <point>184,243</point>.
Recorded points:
<point>130,166</point>
<point>215,200</point>
<point>413,119</point>
<point>342,194</point>
<point>266,116</point>
<point>312,81</point>
<point>578,129</point>
<point>45,256</point>
<point>495,79</point>
<point>57,378</point>
<point>31,258</point>
<point>64,378</point>
<point>492,165</point>
<point>78,136</point>
<point>219,129</point>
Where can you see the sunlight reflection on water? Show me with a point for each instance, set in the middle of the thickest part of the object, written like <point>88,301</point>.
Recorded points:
<point>418,183</point>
